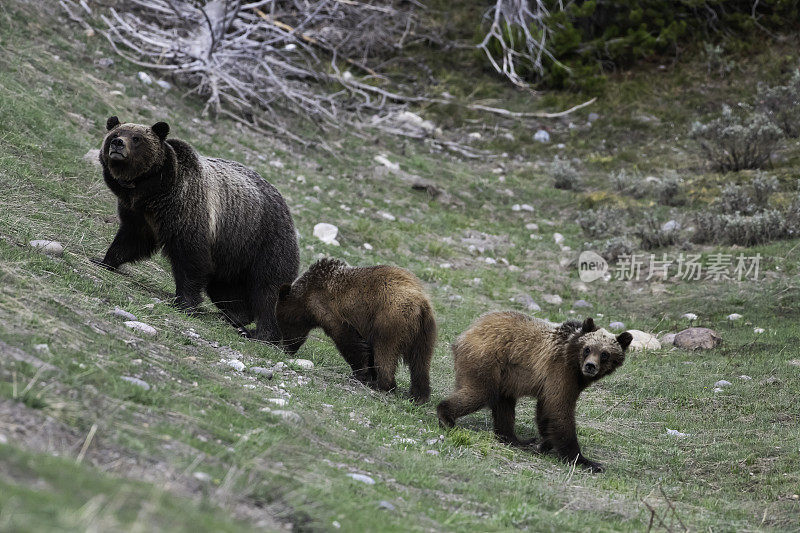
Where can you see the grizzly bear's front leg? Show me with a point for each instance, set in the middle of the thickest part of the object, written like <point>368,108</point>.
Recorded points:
<point>191,270</point>
<point>134,240</point>
<point>356,351</point>
<point>556,421</point>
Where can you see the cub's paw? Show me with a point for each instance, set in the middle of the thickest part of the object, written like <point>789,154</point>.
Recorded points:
<point>594,468</point>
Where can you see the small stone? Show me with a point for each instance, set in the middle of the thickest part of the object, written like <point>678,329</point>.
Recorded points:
<point>593,116</point>
<point>267,372</point>
<point>508,136</point>
<point>234,364</point>
<point>432,452</point>
<point>758,330</point>
<point>668,339</point>
<point>383,160</point>
<point>92,157</point>
<point>136,381</point>
<point>383,504</point>
<point>532,226</point>
<point>617,326</point>
<point>326,233</point>
<point>362,478</point>
<point>541,136</point>
<point>697,339</point>
<point>141,327</point>
<point>558,238</point>
<point>431,442</point>
<point>305,364</point>
<point>3,439</point>
<point>772,380</point>
<point>723,383</point>
<point>41,348</point>
<point>794,362</point>
<point>54,248</point>
<point>553,299</point>
<point>277,163</point>
<point>445,265</point>
<point>280,365</point>
<point>689,316</point>
<point>717,389</point>
<point>121,313</point>
<point>516,207</point>
<point>581,304</point>
<point>387,216</point>
<point>676,433</point>
<point>490,260</point>
<point>475,135</point>
<point>643,340</point>
<point>367,246</point>
<point>671,225</point>
<point>455,298</point>
<point>164,84</point>
<point>734,316</point>
<point>336,524</point>
<point>104,62</point>
<point>288,416</point>
<point>202,476</point>
<point>280,402</point>
<point>744,377</point>
<point>145,78</point>
<point>527,301</point>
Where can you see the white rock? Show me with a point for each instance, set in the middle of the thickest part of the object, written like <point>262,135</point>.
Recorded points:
<point>347,75</point>
<point>336,524</point>
<point>53,248</point>
<point>326,233</point>
<point>290,47</point>
<point>532,226</point>
<point>676,433</point>
<point>445,265</point>
<point>541,136</point>
<point>93,157</point>
<point>490,261</point>
<point>516,207</point>
<point>734,316</point>
<point>3,439</point>
<point>41,348</point>
<point>121,313</point>
<point>202,476</point>
<point>136,381</point>
<point>305,364</point>
<point>617,325</point>
<point>164,84</point>
<point>527,207</point>
<point>383,160</point>
<point>744,377</point>
<point>362,478</point>
<point>689,316</point>
<point>141,327</point>
<point>145,78</point>
<point>558,238</point>
<point>432,452</point>
<point>367,246</point>
<point>593,116</point>
<point>553,299</point>
<point>288,416</point>
<point>277,163</point>
<point>280,402</point>
<point>643,340</point>
<point>723,383</point>
<point>234,364</point>
<point>508,136</point>
<point>383,504</point>
<point>717,389</point>
<point>387,216</point>
<point>671,225</point>
<point>758,330</point>
<point>668,339</point>
<point>475,135</point>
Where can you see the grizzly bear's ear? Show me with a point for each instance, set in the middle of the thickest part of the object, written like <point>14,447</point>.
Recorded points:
<point>284,291</point>
<point>112,123</point>
<point>161,129</point>
<point>588,326</point>
<point>624,339</point>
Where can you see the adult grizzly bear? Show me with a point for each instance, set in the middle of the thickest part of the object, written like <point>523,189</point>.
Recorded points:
<point>223,228</point>
<point>507,355</point>
<point>375,315</point>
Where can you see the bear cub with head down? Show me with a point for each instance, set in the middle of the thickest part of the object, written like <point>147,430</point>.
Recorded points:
<point>506,355</point>
<point>225,230</point>
<point>375,315</point>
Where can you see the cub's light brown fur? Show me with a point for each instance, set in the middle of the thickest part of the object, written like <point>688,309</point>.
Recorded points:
<point>375,315</point>
<point>505,356</point>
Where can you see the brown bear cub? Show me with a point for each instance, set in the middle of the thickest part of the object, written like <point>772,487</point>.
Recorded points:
<point>225,229</point>
<point>375,315</point>
<point>507,355</point>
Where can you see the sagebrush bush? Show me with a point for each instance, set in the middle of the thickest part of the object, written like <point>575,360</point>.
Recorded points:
<point>603,222</point>
<point>782,105</point>
<point>615,247</point>
<point>736,199</point>
<point>738,141</point>
<point>669,190</point>
<point>564,175</point>
<point>628,183</point>
<point>739,229</point>
<point>763,186</point>
<point>652,235</point>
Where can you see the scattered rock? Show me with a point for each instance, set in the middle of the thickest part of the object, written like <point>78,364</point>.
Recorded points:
<point>734,316</point>
<point>145,78</point>
<point>581,304</point>
<point>689,316</point>
<point>305,364</point>
<point>723,383</point>
<point>383,504</point>
<point>553,299</point>
<point>326,233</point>
<point>558,238</point>
<point>141,327</point>
<point>676,433</point>
<point>92,157</point>
<point>668,339</point>
<point>643,340</point>
<point>671,225</point>
<point>104,62</point>
<point>758,330</point>
<point>367,246</point>
<point>772,380</point>
<point>277,163</point>
<point>526,301</point>
<point>3,439</point>
<point>475,135</point>
<point>202,476</point>
<point>234,364</point>
<point>532,226</point>
<point>280,402</point>
<point>136,381</point>
<point>541,136</point>
<point>387,216</point>
<point>697,339</point>
<point>744,377</point>
<point>593,116</point>
<point>54,248</point>
<point>121,313</point>
<point>432,452</point>
<point>617,326</point>
<point>41,348</point>
<point>288,416</point>
<point>267,372</point>
<point>362,478</point>
<point>383,160</point>
<point>164,84</point>
<point>794,362</point>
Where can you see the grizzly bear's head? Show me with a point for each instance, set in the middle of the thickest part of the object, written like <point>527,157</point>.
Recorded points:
<point>132,150</point>
<point>598,352</point>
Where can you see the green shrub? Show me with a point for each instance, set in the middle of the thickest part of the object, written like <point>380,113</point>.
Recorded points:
<point>669,190</point>
<point>564,175</point>
<point>782,105</point>
<point>603,222</point>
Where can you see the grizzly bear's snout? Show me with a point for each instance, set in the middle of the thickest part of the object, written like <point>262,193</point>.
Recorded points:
<point>589,369</point>
<point>117,150</point>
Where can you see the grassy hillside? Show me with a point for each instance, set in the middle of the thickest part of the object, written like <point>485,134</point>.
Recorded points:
<point>205,448</point>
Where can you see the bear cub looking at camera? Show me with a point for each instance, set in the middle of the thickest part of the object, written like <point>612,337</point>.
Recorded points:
<point>375,315</point>
<point>224,229</point>
<point>506,355</point>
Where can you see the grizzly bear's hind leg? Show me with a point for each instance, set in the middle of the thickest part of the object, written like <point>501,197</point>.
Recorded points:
<point>504,415</point>
<point>263,298</point>
<point>386,357</point>
<point>462,402</point>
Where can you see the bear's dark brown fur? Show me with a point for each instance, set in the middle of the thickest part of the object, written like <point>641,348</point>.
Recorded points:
<point>375,315</point>
<point>224,228</point>
<point>505,356</point>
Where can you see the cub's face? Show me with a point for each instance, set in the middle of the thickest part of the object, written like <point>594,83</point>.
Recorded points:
<point>601,354</point>
<point>131,150</point>
<point>292,317</point>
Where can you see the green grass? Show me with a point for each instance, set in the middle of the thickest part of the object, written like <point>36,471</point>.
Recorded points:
<point>736,471</point>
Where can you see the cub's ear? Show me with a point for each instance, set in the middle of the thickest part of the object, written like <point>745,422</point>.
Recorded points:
<point>112,123</point>
<point>624,339</point>
<point>161,129</point>
<point>283,292</point>
<point>588,326</point>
